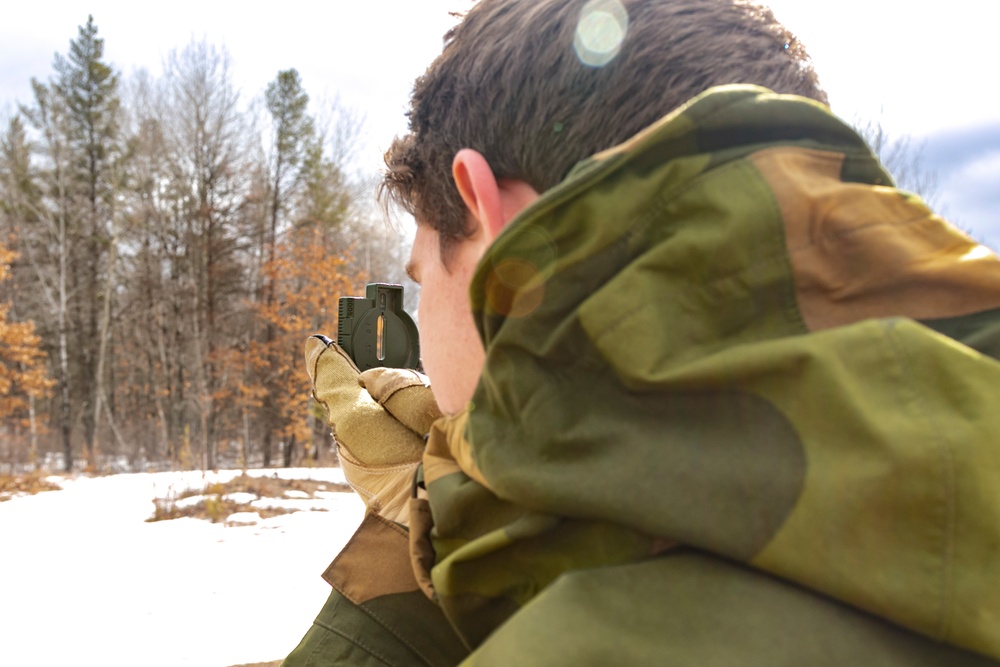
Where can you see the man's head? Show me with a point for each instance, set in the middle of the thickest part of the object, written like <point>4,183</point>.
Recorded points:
<point>512,83</point>
<point>523,91</point>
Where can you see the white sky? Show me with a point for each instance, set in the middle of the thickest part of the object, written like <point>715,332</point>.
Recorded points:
<point>365,52</point>
<point>923,67</point>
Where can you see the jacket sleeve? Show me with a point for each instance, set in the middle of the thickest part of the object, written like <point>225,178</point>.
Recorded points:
<point>376,613</point>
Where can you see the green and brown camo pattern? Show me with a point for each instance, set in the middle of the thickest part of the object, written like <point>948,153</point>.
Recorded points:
<point>734,334</point>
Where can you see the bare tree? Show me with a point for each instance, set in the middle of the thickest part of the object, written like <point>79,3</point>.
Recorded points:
<point>292,138</point>
<point>42,206</point>
<point>208,146</point>
<point>902,157</point>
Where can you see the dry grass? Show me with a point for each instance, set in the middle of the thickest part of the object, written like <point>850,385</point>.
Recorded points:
<point>216,507</point>
<point>26,484</point>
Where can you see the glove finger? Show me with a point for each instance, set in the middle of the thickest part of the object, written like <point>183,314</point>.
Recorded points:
<point>318,345</point>
<point>405,393</point>
<point>361,425</point>
<point>382,382</point>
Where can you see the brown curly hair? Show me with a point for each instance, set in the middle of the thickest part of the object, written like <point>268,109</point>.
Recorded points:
<point>510,85</point>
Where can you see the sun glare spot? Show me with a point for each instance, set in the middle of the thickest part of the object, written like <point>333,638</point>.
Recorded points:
<point>977,253</point>
<point>600,32</point>
<point>515,288</point>
<point>516,285</point>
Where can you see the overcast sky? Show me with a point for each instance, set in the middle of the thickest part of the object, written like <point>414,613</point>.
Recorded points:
<point>923,68</point>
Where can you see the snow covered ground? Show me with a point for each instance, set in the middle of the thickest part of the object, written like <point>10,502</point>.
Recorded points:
<point>84,580</point>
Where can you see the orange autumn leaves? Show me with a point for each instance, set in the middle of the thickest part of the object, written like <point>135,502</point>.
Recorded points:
<point>22,361</point>
<point>310,272</point>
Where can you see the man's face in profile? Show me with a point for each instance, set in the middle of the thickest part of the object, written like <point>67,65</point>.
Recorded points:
<point>451,349</point>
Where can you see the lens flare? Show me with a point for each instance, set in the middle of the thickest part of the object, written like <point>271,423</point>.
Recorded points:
<point>515,288</point>
<point>516,284</point>
<point>600,32</point>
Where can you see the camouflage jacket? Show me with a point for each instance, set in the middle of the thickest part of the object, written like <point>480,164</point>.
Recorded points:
<point>741,405</point>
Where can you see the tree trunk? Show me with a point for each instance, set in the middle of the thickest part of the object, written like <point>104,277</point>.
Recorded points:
<point>64,393</point>
<point>33,433</point>
<point>290,452</point>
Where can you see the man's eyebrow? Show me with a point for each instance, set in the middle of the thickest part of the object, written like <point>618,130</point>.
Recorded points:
<point>412,272</point>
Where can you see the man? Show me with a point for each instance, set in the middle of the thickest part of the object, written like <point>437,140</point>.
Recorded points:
<point>714,391</point>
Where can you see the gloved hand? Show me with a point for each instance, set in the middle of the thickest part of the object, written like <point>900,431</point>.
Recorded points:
<point>379,420</point>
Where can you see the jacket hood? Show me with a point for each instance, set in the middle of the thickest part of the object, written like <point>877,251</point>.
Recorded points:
<point>733,331</point>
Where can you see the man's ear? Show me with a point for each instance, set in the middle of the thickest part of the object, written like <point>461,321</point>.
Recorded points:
<point>479,189</point>
<point>492,203</point>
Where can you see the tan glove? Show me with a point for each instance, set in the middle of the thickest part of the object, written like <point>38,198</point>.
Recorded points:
<point>379,420</point>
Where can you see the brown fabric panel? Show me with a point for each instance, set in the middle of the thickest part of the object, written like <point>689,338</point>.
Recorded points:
<point>375,562</point>
<point>422,554</point>
<point>859,251</point>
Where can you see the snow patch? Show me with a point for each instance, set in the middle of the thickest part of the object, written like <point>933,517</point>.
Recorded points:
<point>180,592</point>
<point>242,519</point>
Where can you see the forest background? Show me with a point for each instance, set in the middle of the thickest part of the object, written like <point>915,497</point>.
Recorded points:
<point>165,250</point>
